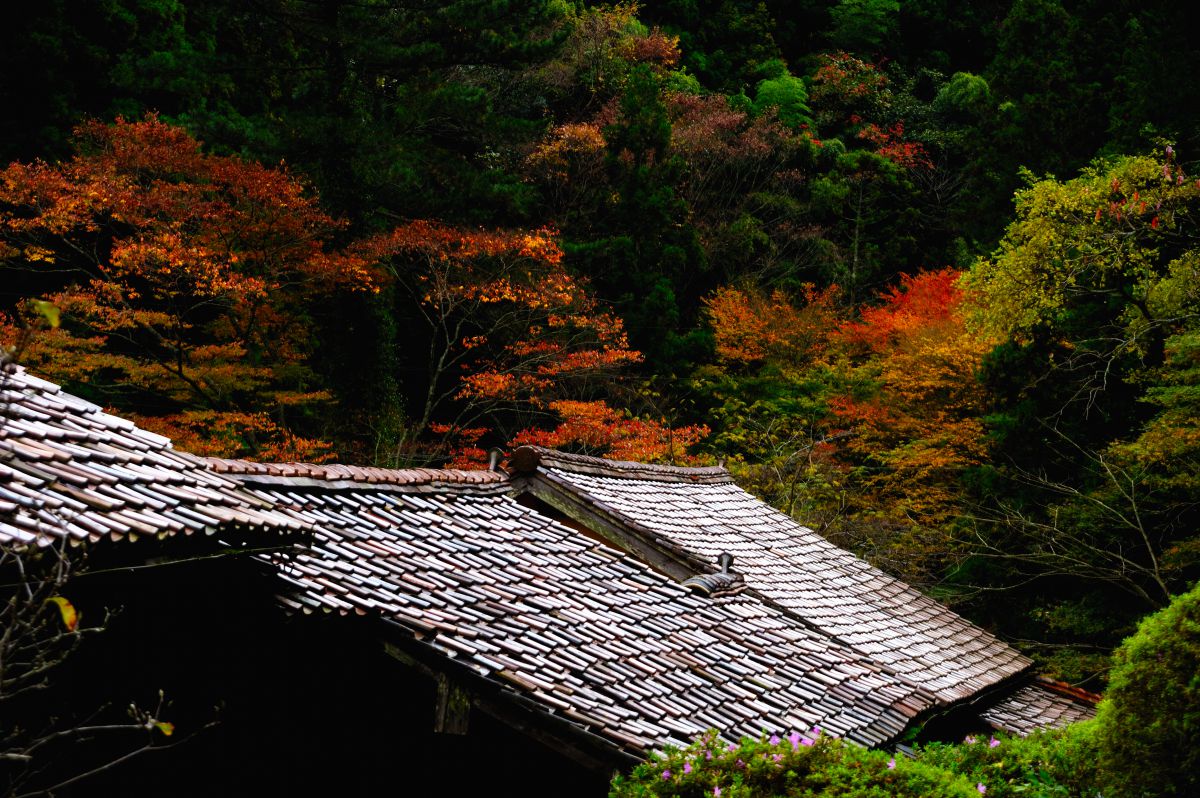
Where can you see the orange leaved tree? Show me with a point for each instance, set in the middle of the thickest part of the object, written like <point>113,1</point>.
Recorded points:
<point>751,326</point>
<point>915,413</point>
<point>768,391</point>
<point>514,349</point>
<point>181,280</point>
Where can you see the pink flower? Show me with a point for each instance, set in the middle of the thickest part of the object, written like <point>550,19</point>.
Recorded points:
<point>774,739</point>
<point>992,743</point>
<point>970,740</point>
<point>778,757</point>
<point>717,791</point>
<point>806,741</point>
<point>794,739</point>
<point>982,789</point>
<point>740,763</point>
<point>687,768</point>
<point>731,747</point>
<point>666,775</point>
<point>816,731</point>
<point>892,763</point>
<point>708,755</point>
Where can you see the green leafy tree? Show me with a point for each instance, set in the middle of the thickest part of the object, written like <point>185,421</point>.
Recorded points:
<point>1093,293</point>
<point>96,59</point>
<point>642,252</point>
<point>1148,728</point>
<point>788,95</point>
<point>728,44</point>
<point>864,26</point>
<point>1044,67</point>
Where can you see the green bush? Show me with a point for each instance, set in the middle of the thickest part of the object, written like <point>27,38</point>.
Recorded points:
<point>795,767</point>
<point>1052,764</point>
<point>786,93</point>
<point>1148,727</point>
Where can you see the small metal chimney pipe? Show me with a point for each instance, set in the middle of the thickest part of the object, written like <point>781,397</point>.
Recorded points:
<point>725,561</point>
<point>494,458</point>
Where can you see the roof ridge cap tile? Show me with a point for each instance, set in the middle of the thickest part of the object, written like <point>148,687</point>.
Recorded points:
<point>529,458</point>
<point>339,473</point>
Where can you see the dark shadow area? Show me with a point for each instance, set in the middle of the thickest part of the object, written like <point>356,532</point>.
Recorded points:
<point>298,705</point>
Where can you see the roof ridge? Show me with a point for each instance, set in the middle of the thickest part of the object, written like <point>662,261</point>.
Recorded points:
<point>527,459</point>
<point>340,473</point>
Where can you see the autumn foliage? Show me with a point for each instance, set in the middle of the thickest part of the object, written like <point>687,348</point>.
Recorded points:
<point>520,350</point>
<point>915,412</point>
<point>595,428</point>
<point>866,419</point>
<point>751,326</point>
<point>181,278</point>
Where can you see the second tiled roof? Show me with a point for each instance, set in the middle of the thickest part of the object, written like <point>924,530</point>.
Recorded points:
<point>833,590</point>
<point>1040,705</point>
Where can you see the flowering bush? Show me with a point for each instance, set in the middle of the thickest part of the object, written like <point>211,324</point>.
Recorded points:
<point>1053,764</point>
<point>797,766</point>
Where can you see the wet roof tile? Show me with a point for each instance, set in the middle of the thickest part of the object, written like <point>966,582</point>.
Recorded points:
<point>583,630</point>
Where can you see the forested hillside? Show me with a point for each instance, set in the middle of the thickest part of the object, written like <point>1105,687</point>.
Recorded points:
<point>926,274</point>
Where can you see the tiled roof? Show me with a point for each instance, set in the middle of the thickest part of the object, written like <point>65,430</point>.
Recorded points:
<point>1040,705</point>
<point>538,611</point>
<point>70,471</point>
<point>592,636</point>
<point>693,515</point>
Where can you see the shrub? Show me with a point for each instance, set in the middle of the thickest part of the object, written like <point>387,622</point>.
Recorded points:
<point>795,767</point>
<point>1050,764</point>
<point>1148,727</point>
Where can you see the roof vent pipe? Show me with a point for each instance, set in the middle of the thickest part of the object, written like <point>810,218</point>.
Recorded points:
<point>725,561</point>
<point>494,458</point>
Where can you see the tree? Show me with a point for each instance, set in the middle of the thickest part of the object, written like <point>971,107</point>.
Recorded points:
<point>601,48</point>
<point>595,428</point>
<point>728,44</point>
<point>868,195</point>
<point>514,344</point>
<point>865,26</point>
<point>644,255</point>
<point>786,93</point>
<point>1090,494</point>
<point>389,108</point>
<point>915,410</point>
<point>1090,281</point>
<point>750,326</point>
<point>1120,235</point>
<point>1147,727</point>
<point>1051,76</point>
<point>100,59</point>
<point>768,396</point>
<point>182,279</point>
